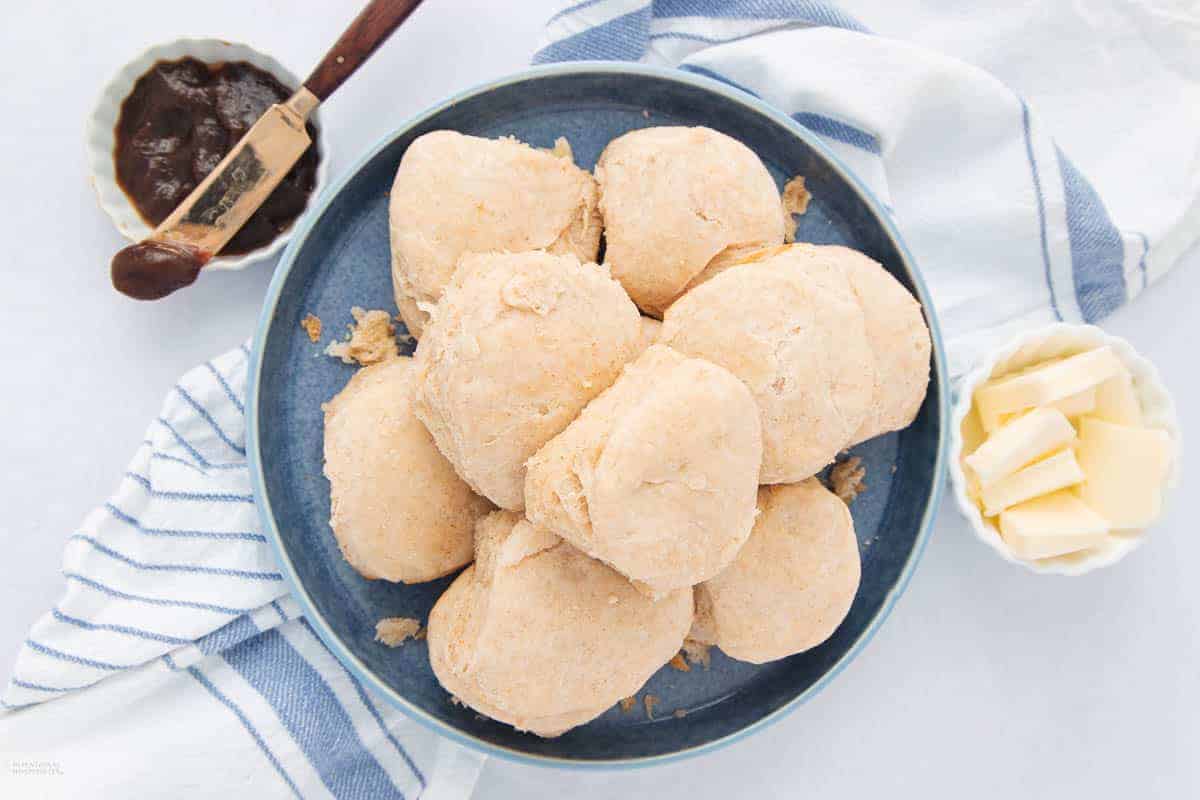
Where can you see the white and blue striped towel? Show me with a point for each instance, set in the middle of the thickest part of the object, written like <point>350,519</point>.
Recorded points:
<point>175,648</point>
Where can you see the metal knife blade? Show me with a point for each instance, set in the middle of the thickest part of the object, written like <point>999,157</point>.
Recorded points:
<point>219,206</point>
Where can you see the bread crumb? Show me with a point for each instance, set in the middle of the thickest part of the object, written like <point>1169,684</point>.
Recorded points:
<point>454,701</point>
<point>312,326</point>
<point>372,339</point>
<point>650,702</point>
<point>679,713</point>
<point>628,703</point>
<point>697,652</point>
<point>795,202</point>
<point>847,479</point>
<point>394,631</point>
<point>680,663</point>
<point>562,149</point>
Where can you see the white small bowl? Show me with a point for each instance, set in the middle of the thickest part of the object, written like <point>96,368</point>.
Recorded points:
<point>1061,339</point>
<point>101,136</point>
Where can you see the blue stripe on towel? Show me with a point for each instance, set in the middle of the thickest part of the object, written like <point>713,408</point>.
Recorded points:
<point>1041,207</point>
<point>696,37</point>
<point>233,398</point>
<point>813,12</point>
<point>125,629</point>
<point>1142,259</point>
<point>817,123</point>
<point>207,417</point>
<point>622,38</point>
<point>194,568</point>
<point>38,687</point>
<point>199,497</point>
<point>15,706</point>
<point>366,701</point>
<point>310,711</point>
<point>839,131</point>
<point>153,601</point>
<point>248,725</point>
<point>180,534</point>
<point>184,443</point>
<point>38,647</point>
<point>227,636</point>
<point>167,457</point>
<point>1097,250</point>
<point>716,76</point>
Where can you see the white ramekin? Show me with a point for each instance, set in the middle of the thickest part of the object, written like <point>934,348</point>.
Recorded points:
<point>1061,339</point>
<point>101,136</point>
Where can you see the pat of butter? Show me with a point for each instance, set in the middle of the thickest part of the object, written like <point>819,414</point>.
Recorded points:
<point>1041,477</point>
<point>1051,525</point>
<point>1075,405</point>
<point>1116,401</point>
<point>1020,442</point>
<point>1126,470</point>
<point>1045,384</point>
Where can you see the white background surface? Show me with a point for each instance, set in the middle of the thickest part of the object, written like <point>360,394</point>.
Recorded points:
<point>986,681</point>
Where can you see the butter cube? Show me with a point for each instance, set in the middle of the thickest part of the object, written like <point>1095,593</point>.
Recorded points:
<point>1052,473</point>
<point>1051,525</point>
<point>1045,384</point>
<point>1075,405</point>
<point>1022,441</point>
<point>1125,470</point>
<point>1117,402</point>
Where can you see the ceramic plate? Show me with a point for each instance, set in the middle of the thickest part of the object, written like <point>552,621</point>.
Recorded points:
<point>339,258</point>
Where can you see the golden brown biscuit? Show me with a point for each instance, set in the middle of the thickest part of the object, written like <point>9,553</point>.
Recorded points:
<point>677,202</point>
<point>898,336</point>
<point>793,582</point>
<point>457,194</point>
<point>794,332</point>
<point>657,476</point>
<point>516,348</point>
<point>398,510</point>
<point>539,636</point>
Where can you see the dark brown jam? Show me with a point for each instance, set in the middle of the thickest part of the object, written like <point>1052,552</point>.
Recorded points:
<point>151,269</point>
<point>180,120</point>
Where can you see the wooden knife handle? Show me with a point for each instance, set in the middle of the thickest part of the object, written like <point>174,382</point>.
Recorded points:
<point>368,30</point>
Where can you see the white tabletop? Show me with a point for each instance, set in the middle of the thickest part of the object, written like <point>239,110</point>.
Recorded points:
<point>986,680</point>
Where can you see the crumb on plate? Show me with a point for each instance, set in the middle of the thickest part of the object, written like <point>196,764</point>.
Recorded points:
<point>312,326</point>
<point>650,701</point>
<point>795,202</point>
<point>847,479</point>
<point>628,703</point>
<point>562,149</point>
<point>394,631</point>
<point>680,663</point>
<point>679,713</point>
<point>372,339</point>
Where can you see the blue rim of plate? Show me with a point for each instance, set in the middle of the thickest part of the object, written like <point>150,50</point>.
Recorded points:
<point>258,482</point>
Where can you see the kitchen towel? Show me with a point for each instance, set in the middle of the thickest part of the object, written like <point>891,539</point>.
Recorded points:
<point>176,662</point>
<point>1007,232</point>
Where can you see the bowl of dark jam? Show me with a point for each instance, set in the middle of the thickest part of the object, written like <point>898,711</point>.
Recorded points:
<point>168,118</point>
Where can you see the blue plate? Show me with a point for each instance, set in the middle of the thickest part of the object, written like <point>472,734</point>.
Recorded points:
<point>339,258</point>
